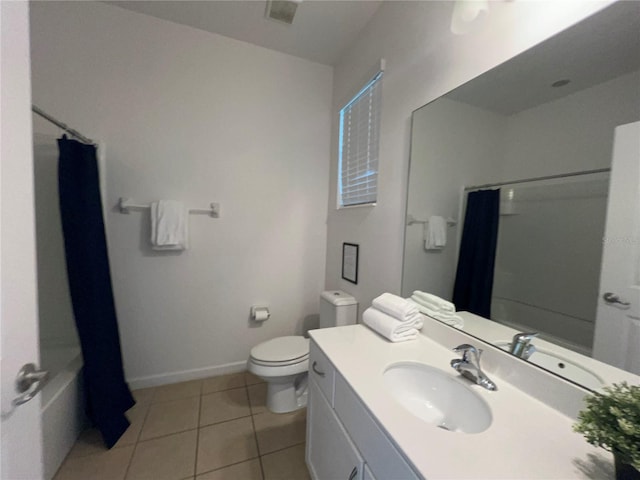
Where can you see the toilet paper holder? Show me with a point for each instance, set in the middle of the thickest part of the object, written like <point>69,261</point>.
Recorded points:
<point>260,313</point>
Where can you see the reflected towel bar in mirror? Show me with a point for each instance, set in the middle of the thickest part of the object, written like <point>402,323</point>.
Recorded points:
<point>125,205</point>
<point>411,220</point>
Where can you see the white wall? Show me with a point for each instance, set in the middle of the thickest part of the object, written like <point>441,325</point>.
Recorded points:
<point>423,61</point>
<point>570,134</point>
<point>197,117</point>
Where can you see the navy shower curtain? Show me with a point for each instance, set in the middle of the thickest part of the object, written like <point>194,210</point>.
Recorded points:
<point>107,394</point>
<point>474,276</point>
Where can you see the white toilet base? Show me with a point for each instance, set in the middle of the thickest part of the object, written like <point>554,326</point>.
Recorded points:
<point>287,394</point>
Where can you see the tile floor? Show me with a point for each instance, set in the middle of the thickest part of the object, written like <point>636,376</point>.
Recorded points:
<point>212,429</point>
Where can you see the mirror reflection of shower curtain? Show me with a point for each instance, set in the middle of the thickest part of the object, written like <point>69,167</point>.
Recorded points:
<point>474,275</point>
<point>107,395</point>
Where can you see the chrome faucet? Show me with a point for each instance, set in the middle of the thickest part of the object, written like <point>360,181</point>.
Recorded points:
<point>469,366</point>
<point>521,345</point>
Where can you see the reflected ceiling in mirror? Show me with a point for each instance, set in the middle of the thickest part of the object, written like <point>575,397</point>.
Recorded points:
<point>512,124</point>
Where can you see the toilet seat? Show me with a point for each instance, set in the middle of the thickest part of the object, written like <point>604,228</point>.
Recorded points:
<point>281,351</point>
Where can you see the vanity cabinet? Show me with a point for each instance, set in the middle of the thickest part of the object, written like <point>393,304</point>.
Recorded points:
<point>343,440</point>
<point>331,455</point>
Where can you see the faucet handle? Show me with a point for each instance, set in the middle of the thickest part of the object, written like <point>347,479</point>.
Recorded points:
<point>524,337</point>
<point>520,343</point>
<point>466,349</point>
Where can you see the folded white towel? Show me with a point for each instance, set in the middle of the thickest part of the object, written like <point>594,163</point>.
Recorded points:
<point>389,327</point>
<point>397,307</point>
<point>169,223</point>
<point>433,301</point>
<point>449,318</point>
<point>435,234</point>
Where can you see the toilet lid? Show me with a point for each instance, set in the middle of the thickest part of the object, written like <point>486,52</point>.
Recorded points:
<point>281,349</point>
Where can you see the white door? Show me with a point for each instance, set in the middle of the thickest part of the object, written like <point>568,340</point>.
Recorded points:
<point>617,334</point>
<point>20,426</point>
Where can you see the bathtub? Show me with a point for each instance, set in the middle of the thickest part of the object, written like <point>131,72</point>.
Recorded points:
<point>62,406</point>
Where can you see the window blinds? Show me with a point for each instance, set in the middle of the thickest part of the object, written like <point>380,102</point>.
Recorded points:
<point>359,132</point>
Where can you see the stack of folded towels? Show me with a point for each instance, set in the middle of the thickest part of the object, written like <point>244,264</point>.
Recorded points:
<point>393,317</point>
<point>437,308</point>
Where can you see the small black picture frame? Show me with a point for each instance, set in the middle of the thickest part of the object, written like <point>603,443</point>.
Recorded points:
<point>350,262</point>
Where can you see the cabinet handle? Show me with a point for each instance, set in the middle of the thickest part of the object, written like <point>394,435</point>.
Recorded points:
<point>322,374</point>
<point>354,472</point>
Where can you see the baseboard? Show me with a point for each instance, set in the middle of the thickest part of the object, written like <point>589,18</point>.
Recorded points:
<point>185,375</point>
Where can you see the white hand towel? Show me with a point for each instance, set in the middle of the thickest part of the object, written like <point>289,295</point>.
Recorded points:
<point>433,301</point>
<point>445,317</point>
<point>435,235</point>
<point>397,307</point>
<point>168,225</point>
<point>388,326</point>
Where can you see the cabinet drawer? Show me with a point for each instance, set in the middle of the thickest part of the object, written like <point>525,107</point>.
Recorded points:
<point>382,457</point>
<point>321,371</point>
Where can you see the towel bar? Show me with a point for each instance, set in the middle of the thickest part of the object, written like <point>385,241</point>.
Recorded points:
<point>411,221</point>
<point>125,205</point>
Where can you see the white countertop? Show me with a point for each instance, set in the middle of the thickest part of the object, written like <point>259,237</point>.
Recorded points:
<point>526,439</point>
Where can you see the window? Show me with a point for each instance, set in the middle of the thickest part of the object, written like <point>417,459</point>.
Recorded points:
<point>358,143</point>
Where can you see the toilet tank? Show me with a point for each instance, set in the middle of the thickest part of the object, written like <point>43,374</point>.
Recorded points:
<point>337,308</point>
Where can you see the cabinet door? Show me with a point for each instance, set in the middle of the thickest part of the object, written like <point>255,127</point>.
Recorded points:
<point>367,474</point>
<point>383,459</point>
<point>330,453</point>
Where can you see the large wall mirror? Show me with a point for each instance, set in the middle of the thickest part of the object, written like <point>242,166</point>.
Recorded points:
<point>541,129</point>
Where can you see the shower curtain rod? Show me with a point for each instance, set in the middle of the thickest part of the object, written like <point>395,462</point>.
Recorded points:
<point>62,125</point>
<point>536,179</point>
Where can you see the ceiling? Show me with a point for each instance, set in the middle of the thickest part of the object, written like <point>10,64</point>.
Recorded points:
<point>598,49</point>
<point>321,29</point>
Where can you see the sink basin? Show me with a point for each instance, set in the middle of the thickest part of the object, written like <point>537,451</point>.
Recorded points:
<point>561,366</point>
<point>437,397</point>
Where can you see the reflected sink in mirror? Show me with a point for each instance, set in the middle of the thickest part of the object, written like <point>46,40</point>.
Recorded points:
<point>437,397</point>
<point>560,366</point>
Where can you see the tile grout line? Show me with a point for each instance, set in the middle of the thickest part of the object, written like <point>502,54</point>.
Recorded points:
<point>135,444</point>
<point>284,448</point>
<point>255,433</point>
<point>230,465</point>
<point>195,461</point>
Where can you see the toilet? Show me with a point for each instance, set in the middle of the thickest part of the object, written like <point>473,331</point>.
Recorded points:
<point>283,362</point>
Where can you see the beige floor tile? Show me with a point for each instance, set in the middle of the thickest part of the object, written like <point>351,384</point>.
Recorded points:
<point>143,396</point>
<point>286,464</point>
<point>176,391</point>
<point>222,406</point>
<point>226,443</point>
<point>165,458</point>
<point>278,431</point>
<point>251,379</point>
<point>241,471</point>
<point>258,398</point>
<point>90,441</point>
<point>223,382</point>
<point>109,465</point>
<point>136,416</point>
<point>171,417</point>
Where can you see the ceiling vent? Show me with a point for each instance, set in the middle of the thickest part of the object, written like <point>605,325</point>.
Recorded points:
<point>282,10</point>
